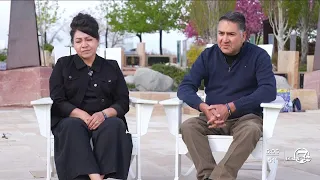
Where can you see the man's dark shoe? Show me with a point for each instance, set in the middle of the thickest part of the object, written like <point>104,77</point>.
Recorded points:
<point>208,179</point>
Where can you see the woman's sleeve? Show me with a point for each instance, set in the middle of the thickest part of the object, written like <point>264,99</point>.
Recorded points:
<point>121,104</point>
<point>60,105</point>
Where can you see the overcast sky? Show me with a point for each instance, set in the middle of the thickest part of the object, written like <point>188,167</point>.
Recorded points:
<point>73,7</point>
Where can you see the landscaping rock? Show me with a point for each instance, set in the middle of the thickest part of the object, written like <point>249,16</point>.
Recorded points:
<point>146,79</point>
<point>129,79</point>
<point>282,82</point>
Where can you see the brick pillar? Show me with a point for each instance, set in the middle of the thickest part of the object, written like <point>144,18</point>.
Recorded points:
<point>141,50</point>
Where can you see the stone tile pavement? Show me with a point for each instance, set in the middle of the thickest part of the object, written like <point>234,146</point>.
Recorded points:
<point>23,151</point>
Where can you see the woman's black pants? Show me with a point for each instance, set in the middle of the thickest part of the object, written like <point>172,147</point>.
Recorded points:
<point>109,154</point>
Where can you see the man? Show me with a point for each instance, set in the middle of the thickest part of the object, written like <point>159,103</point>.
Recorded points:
<point>238,77</point>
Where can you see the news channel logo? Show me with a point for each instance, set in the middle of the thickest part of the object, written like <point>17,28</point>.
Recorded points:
<point>300,155</point>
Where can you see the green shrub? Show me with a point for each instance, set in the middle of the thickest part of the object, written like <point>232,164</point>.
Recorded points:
<point>48,47</point>
<point>3,55</point>
<point>303,67</point>
<point>175,73</point>
<point>131,86</point>
<point>193,53</point>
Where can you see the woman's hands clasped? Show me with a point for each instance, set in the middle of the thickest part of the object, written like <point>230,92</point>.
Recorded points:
<point>95,120</point>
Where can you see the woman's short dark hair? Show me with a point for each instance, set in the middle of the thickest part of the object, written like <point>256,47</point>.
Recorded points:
<point>86,24</point>
<point>235,17</point>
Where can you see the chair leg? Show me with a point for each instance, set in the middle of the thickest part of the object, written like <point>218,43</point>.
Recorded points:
<point>177,161</point>
<point>53,167</point>
<point>177,166</point>
<point>191,169</point>
<point>132,174</point>
<point>138,161</point>
<point>48,158</point>
<point>264,160</point>
<point>273,166</point>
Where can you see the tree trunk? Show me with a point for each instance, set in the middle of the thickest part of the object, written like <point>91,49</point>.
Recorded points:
<point>304,44</point>
<point>280,39</point>
<point>304,26</point>
<point>106,36</point>
<point>213,9</point>
<point>279,24</point>
<point>139,36</point>
<point>160,45</point>
<point>45,37</point>
<point>258,35</point>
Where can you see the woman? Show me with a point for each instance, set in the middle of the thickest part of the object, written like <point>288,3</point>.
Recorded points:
<point>90,100</point>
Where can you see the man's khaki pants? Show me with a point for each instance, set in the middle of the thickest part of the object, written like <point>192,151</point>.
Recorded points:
<point>246,132</point>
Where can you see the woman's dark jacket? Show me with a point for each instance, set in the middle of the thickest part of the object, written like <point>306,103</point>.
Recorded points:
<point>71,79</point>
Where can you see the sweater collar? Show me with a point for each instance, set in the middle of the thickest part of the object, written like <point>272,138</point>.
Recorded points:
<point>243,49</point>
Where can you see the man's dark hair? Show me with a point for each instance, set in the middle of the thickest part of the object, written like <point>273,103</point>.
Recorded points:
<point>86,24</point>
<point>235,17</point>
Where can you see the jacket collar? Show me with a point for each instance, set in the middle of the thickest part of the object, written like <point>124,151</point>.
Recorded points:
<point>96,66</point>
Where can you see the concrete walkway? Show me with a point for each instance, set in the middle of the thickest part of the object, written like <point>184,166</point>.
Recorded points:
<point>23,151</point>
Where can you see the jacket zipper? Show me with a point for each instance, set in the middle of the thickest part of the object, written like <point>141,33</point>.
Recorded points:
<point>225,60</point>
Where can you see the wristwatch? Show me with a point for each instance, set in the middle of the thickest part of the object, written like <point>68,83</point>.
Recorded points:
<point>229,109</point>
<point>104,115</point>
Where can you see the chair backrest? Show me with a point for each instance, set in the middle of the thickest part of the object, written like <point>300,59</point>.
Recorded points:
<point>268,48</point>
<point>209,45</point>
<point>112,53</point>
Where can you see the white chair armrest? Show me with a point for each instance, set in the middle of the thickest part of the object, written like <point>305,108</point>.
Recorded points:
<point>144,110</point>
<point>173,109</point>
<point>135,101</point>
<point>42,101</point>
<point>42,109</point>
<point>277,104</point>
<point>171,102</point>
<point>270,115</point>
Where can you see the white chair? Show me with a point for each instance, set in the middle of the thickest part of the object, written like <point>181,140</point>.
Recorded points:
<point>268,48</point>
<point>221,143</point>
<point>144,110</point>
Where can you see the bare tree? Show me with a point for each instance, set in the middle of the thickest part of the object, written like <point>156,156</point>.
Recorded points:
<point>307,14</point>
<point>277,11</point>
<point>47,18</point>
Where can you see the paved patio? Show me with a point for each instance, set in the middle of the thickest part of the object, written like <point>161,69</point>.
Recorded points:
<point>23,151</point>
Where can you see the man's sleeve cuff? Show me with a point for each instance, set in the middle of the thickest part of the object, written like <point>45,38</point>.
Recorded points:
<point>238,104</point>
<point>197,105</point>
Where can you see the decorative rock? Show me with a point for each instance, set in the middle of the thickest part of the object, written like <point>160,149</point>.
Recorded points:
<point>129,79</point>
<point>146,79</point>
<point>282,82</point>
